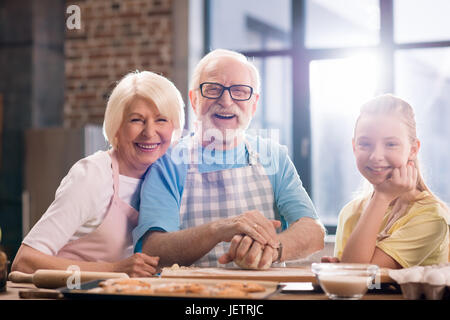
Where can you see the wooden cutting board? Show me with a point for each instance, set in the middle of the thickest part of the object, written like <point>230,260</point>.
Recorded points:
<point>288,274</point>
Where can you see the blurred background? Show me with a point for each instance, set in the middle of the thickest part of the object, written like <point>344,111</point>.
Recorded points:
<point>319,61</point>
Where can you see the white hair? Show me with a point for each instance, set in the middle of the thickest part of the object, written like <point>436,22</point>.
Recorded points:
<point>221,53</point>
<point>148,86</point>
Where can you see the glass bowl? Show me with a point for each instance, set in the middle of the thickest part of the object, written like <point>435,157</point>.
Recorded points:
<point>345,281</point>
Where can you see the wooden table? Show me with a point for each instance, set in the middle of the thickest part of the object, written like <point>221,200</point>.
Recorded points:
<point>300,274</point>
<point>322,296</point>
<point>13,289</point>
<point>12,292</point>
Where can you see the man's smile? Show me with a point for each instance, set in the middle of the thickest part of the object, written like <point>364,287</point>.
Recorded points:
<point>225,116</point>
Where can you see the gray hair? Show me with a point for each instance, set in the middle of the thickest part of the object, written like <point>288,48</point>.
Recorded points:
<point>220,53</point>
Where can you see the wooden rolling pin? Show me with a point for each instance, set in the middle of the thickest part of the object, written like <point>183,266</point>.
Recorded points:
<point>52,279</point>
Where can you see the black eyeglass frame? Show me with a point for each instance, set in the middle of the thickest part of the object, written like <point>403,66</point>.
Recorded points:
<point>226,88</point>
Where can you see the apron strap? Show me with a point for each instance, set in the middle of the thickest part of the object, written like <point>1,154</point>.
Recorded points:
<point>253,156</point>
<point>115,171</point>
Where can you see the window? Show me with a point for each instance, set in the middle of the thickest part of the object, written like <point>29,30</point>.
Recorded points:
<point>260,26</point>
<point>338,88</point>
<point>275,100</point>
<point>339,54</point>
<point>250,25</point>
<point>421,20</point>
<point>423,79</point>
<point>342,23</point>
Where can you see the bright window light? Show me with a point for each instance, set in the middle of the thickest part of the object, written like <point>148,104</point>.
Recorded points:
<point>338,88</point>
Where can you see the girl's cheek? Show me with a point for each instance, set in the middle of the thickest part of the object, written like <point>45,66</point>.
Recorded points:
<point>361,157</point>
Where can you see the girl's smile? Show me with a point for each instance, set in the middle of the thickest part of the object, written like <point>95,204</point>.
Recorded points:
<point>379,170</point>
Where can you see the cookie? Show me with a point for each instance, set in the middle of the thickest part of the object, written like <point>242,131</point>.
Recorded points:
<point>243,286</point>
<point>171,288</point>
<point>124,282</point>
<point>228,292</point>
<point>195,288</point>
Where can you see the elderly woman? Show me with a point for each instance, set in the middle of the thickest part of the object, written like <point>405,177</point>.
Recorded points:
<point>89,224</point>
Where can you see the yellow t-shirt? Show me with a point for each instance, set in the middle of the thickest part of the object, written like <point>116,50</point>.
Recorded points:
<point>419,237</point>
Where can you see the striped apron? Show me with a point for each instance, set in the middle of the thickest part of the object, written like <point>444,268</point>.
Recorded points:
<point>223,194</point>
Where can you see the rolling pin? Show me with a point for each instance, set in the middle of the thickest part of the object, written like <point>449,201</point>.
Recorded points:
<point>52,279</point>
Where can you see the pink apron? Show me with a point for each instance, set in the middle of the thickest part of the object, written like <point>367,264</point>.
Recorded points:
<point>112,240</point>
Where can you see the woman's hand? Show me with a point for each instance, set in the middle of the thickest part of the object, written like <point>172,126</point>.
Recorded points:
<point>402,180</point>
<point>251,223</point>
<point>138,265</point>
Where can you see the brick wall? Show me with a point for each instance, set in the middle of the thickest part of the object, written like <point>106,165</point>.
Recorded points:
<point>116,37</point>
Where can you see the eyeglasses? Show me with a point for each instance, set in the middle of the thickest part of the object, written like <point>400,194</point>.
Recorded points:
<point>238,92</point>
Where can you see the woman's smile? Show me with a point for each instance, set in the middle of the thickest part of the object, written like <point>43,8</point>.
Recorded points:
<point>147,147</point>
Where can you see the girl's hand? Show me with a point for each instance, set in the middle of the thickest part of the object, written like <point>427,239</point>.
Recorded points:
<point>402,180</point>
<point>328,259</point>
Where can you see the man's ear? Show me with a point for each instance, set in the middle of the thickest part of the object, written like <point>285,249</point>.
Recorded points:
<point>415,147</point>
<point>254,103</point>
<point>353,144</point>
<point>194,100</point>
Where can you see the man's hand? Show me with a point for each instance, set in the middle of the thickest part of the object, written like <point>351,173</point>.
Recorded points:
<point>251,223</point>
<point>249,254</point>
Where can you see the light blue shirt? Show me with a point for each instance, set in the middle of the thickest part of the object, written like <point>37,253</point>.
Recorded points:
<point>162,189</point>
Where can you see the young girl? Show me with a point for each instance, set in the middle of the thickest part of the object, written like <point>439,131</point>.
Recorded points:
<point>399,222</point>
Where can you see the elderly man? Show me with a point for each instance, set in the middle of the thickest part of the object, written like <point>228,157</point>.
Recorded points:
<point>215,198</point>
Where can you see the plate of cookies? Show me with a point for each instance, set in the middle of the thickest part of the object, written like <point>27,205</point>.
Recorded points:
<point>154,288</point>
